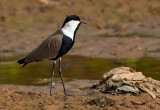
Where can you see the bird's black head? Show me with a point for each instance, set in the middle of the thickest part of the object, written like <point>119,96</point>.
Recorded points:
<point>73,18</point>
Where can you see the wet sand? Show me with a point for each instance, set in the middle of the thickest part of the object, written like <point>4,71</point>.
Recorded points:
<point>37,98</point>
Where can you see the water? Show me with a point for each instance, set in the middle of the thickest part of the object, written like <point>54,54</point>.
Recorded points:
<point>74,67</point>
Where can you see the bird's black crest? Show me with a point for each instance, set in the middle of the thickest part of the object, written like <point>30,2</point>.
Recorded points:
<point>71,17</point>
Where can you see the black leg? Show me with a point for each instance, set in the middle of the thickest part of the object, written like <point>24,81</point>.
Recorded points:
<point>52,75</point>
<point>60,73</point>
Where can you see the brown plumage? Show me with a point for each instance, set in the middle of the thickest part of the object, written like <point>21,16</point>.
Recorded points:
<point>48,49</point>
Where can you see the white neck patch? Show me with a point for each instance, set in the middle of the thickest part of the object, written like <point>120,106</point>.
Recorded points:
<point>69,28</point>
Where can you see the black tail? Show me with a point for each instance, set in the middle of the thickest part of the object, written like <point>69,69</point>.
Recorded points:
<point>22,61</point>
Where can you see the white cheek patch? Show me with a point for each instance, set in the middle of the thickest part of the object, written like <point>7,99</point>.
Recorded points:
<point>69,28</point>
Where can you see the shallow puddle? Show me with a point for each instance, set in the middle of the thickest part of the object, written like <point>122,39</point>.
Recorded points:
<point>73,67</point>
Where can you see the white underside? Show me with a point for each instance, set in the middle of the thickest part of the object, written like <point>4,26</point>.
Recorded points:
<point>69,28</point>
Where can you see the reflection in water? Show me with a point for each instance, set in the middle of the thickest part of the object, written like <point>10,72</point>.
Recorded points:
<point>74,67</point>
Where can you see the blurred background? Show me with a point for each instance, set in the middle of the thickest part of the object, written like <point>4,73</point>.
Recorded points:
<point>118,33</point>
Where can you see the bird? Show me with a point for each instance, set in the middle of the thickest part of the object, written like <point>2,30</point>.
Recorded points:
<point>55,46</point>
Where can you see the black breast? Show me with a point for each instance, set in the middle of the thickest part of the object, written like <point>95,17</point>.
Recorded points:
<point>67,44</point>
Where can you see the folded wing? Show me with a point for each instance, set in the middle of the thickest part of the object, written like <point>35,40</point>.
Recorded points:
<point>48,49</point>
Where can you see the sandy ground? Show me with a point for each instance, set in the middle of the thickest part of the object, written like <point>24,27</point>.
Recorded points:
<point>37,98</point>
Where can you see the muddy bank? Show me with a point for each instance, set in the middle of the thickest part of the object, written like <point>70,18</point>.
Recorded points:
<point>91,46</point>
<point>113,47</point>
<point>37,98</point>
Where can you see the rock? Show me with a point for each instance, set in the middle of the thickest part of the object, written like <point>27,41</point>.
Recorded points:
<point>136,102</point>
<point>102,102</point>
<point>126,80</point>
<point>127,89</point>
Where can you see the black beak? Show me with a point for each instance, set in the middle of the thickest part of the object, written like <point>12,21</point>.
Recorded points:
<point>83,22</point>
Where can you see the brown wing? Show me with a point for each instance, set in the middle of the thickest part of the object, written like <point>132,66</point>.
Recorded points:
<point>48,49</point>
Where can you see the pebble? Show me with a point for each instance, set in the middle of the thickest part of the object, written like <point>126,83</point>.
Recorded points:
<point>136,102</point>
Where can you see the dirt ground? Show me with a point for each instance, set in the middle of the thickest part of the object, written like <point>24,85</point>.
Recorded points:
<point>37,98</point>
<point>115,29</point>
<point>86,44</point>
